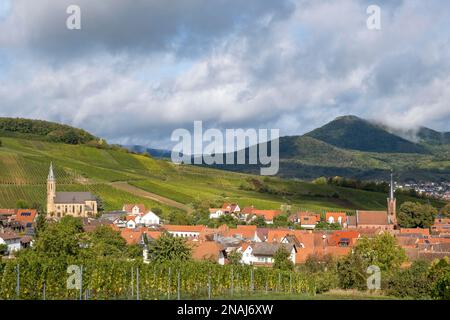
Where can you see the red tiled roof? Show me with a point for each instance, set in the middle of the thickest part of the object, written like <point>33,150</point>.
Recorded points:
<point>7,212</point>
<point>206,250</point>
<point>183,228</point>
<point>132,236</point>
<point>425,232</point>
<point>372,218</point>
<point>129,208</point>
<point>26,216</point>
<point>336,215</point>
<point>267,214</point>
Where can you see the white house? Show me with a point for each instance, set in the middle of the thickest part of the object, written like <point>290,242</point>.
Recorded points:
<point>120,223</point>
<point>134,209</point>
<point>12,240</point>
<point>215,213</point>
<point>263,253</point>
<point>131,224</point>
<point>184,231</point>
<point>150,219</point>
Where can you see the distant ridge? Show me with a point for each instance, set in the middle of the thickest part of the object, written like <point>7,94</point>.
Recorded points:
<point>351,132</point>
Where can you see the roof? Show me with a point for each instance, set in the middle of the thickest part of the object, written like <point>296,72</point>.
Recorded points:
<point>269,249</point>
<point>343,236</point>
<point>26,216</point>
<point>132,236</point>
<point>244,231</point>
<point>129,207</point>
<point>183,228</point>
<point>7,212</point>
<point>74,197</point>
<point>415,231</point>
<point>372,218</point>
<point>9,236</point>
<point>229,206</point>
<point>207,250</point>
<point>267,214</point>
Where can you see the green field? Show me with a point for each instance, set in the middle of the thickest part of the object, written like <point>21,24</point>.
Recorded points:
<point>24,168</point>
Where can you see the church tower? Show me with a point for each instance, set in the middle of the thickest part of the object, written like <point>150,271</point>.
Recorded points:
<point>392,203</point>
<point>51,190</point>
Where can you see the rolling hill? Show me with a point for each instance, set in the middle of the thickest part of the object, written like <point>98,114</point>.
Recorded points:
<point>118,177</point>
<point>356,148</point>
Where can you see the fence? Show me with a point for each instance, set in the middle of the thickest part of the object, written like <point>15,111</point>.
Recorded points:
<point>129,281</point>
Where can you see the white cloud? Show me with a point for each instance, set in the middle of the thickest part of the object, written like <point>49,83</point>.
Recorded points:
<point>290,67</point>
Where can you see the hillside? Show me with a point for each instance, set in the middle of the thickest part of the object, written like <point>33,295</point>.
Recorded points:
<point>350,132</point>
<point>44,130</point>
<point>336,149</point>
<point>24,166</point>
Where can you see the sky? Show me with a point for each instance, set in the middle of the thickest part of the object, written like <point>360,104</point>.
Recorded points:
<point>137,70</point>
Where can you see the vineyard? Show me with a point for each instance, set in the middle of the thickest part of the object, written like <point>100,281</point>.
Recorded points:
<point>124,280</point>
<point>24,167</point>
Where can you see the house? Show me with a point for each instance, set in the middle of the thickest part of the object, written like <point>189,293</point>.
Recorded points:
<point>263,253</point>
<point>134,209</point>
<point>131,222</point>
<point>251,213</point>
<point>208,250</point>
<point>307,220</point>
<point>215,213</point>
<point>150,219</point>
<point>89,224</point>
<point>343,238</point>
<point>26,217</point>
<point>184,231</point>
<point>120,222</point>
<point>441,226</point>
<point>229,208</point>
<point>370,220</point>
<point>133,236</point>
<point>415,231</point>
<point>242,232</point>
<point>12,240</point>
<point>336,217</point>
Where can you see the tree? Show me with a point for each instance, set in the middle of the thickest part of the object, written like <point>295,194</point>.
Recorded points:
<point>3,249</point>
<point>411,282</point>
<point>234,257</point>
<point>320,181</point>
<point>106,242</point>
<point>259,222</point>
<point>416,215</point>
<point>381,251</point>
<point>323,225</point>
<point>60,239</point>
<point>168,248</point>
<point>41,224</point>
<point>445,211</point>
<point>1,143</point>
<point>282,259</point>
<point>281,221</point>
<point>22,204</point>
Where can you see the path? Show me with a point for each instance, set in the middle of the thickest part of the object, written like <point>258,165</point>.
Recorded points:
<point>124,186</point>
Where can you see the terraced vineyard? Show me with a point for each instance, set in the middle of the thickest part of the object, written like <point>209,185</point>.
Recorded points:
<point>24,168</point>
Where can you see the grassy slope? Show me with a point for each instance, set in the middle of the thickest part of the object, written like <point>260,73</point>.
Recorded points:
<point>24,167</point>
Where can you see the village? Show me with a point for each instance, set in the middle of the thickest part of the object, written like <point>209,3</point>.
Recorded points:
<point>255,245</point>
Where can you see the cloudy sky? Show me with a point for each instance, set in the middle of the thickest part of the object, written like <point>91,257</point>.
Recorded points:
<point>139,69</point>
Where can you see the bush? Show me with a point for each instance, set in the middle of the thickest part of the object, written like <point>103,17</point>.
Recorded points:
<point>412,282</point>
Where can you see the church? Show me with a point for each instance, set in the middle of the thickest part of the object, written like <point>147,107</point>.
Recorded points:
<point>60,204</point>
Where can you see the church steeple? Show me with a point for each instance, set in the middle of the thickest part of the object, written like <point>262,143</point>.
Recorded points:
<point>51,190</point>
<point>51,175</point>
<point>392,203</point>
<point>391,194</point>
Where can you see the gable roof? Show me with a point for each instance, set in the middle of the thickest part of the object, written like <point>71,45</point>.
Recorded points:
<point>206,250</point>
<point>9,236</point>
<point>7,212</point>
<point>268,215</point>
<point>372,218</point>
<point>129,207</point>
<point>74,197</point>
<point>184,228</point>
<point>26,216</point>
<point>269,249</point>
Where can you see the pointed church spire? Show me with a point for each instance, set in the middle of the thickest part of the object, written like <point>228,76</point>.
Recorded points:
<point>51,175</point>
<point>391,195</point>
